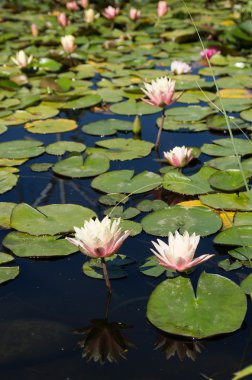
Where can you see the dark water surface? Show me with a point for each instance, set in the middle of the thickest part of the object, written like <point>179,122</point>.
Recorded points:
<point>51,299</point>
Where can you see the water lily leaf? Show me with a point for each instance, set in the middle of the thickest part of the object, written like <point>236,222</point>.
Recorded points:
<point>224,147</point>
<point>75,167</point>
<point>230,162</point>
<point>6,209</point>
<point>17,149</point>
<point>134,227</point>
<point>218,307</point>
<point>119,212</point>
<point>113,199</point>
<point>229,180</point>
<point>25,245</point>
<point>243,373</point>
<point>5,258</point>
<point>49,64</point>
<point>246,284</point>
<point>49,220</point>
<point>110,95</point>
<point>131,107</point>
<point>235,202</point>
<point>3,128</point>
<point>247,115</point>
<point>198,183</point>
<point>122,149</point>
<point>41,112</point>
<point>218,123</point>
<point>233,105</point>
<point>7,181</point>
<point>243,218</point>
<point>83,102</point>
<point>124,181</point>
<point>151,267</point>
<point>237,235</point>
<point>228,266</point>
<point>200,220</point>
<point>191,113</point>
<point>241,253</point>
<point>107,127</point>
<point>93,267</point>
<point>41,167</point>
<point>11,162</point>
<point>61,147</point>
<point>148,205</point>
<point>8,273</point>
<point>51,126</point>
<point>182,126</point>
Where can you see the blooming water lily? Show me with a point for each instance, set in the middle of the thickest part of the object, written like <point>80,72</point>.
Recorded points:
<point>22,60</point>
<point>179,156</point>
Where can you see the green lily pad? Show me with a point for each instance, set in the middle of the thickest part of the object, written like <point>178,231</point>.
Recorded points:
<point>3,128</point>
<point>75,167</point>
<point>181,126</point>
<point>198,183</point>
<point>124,181</point>
<point>83,102</point>
<point>189,114</point>
<point>151,267</point>
<point>113,199</point>
<point>228,266</point>
<point>8,273</point>
<point>122,149</point>
<point>218,307</point>
<point>241,253</point>
<point>41,167</point>
<point>224,147</point>
<point>49,220</point>
<point>218,123</point>
<point>25,245</point>
<point>246,284</point>
<point>131,107</point>
<point>200,220</point>
<point>107,127</point>
<point>229,180</point>
<point>61,147</point>
<point>49,64</point>
<point>6,209</point>
<point>119,212</point>
<point>237,235</point>
<point>42,112</point>
<point>17,149</point>
<point>148,205</point>
<point>12,162</point>
<point>247,114</point>
<point>7,181</point>
<point>134,227</point>
<point>243,218</point>
<point>115,267</point>
<point>232,202</point>
<point>51,126</point>
<point>5,258</point>
<point>230,162</point>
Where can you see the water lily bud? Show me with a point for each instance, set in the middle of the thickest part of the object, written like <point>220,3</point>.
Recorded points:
<point>110,12</point>
<point>134,14</point>
<point>84,3</point>
<point>137,127</point>
<point>62,20</point>
<point>68,44</point>
<point>72,6</point>
<point>209,53</point>
<point>162,8</point>
<point>34,30</point>
<point>89,15</point>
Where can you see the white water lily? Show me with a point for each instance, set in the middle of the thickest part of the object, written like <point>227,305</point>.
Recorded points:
<point>22,60</point>
<point>99,239</point>
<point>179,156</point>
<point>68,44</point>
<point>179,252</point>
<point>179,67</point>
<point>160,92</point>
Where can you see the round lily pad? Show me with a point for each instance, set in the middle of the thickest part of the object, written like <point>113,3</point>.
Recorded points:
<point>131,107</point>
<point>41,167</point>
<point>200,220</point>
<point>191,113</point>
<point>83,102</point>
<point>51,126</point>
<point>218,307</point>
<point>7,181</point>
<point>17,149</point>
<point>233,202</point>
<point>8,273</point>
<point>237,235</point>
<point>229,180</point>
<point>6,209</point>
<point>60,147</point>
<point>107,127</point>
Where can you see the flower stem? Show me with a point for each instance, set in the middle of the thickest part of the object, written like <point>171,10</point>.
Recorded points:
<point>105,272</point>
<point>160,129</point>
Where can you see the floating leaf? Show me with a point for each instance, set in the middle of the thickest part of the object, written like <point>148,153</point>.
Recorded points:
<point>237,235</point>
<point>200,220</point>
<point>151,267</point>
<point>60,147</point>
<point>148,205</point>
<point>17,149</point>
<point>6,209</point>
<point>113,199</point>
<point>93,267</point>
<point>24,245</point>
<point>83,102</point>
<point>218,123</point>
<point>235,202</point>
<point>41,112</point>
<point>49,220</point>
<point>5,258</point>
<point>229,180</point>
<point>124,181</point>
<point>191,113</point>
<point>247,115</point>
<point>51,126</point>
<point>8,273</point>
<point>243,373</point>
<point>131,107</point>
<point>228,266</point>
<point>7,181</point>
<point>218,307</point>
<point>75,167</point>
<point>41,167</point>
<point>224,147</point>
<point>107,127</point>
<point>119,212</point>
<point>246,284</point>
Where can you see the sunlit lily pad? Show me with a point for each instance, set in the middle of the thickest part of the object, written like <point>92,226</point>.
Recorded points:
<point>49,220</point>
<point>230,162</point>
<point>8,273</point>
<point>124,181</point>
<point>25,245</point>
<point>83,102</point>
<point>122,149</point>
<point>51,126</point>
<point>218,122</point>
<point>7,181</point>
<point>42,112</point>
<point>6,209</point>
<point>224,147</point>
<point>107,127</point>
<point>191,113</point>
<point>113,199</point>
<point>17,149</point>
<point>60,147</point>
<point>131,107</point>
<point>3,128</point>
<point>41,167</point>
<point>200,220</point>
<point>119,212</point>
<point>247,115</point>
<point>218,307</point>
<point>235,202</point>
<point>237,235</point>
<point>5,258</point>
<point>229,180</point>
<point>181,126</point>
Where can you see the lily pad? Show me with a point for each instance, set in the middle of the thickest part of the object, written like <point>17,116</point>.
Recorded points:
<point>224,147</point>
<point>75,167</point>
<point>218,307</point>
<point>237,235</point>
<point>131,107</point>
<point>17,149</point>
<point>233,202</point>
<point>51,126</point>
<point>229,180</point>
<point>61,147</point>
<point>25,245</point>
<point>6,209</point>
<point>49,220</point>
<point>8,273</point>
<point>151,267</point>
<point>7,181</point>
<point>189,114</point>
<point>107,127</point>
<point>200,220</point>
<point>218,123</point>
<point>5,258</point>
<point>124,181</point>
<point>83,102</point>
<point>41,167</point>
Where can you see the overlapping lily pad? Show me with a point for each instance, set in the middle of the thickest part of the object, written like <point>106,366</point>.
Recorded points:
<point>107,127</point>
<point>234,202</point>
<point>51,126</point>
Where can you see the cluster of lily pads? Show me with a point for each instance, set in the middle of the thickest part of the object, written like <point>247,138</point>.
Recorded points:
<point>103,72</point>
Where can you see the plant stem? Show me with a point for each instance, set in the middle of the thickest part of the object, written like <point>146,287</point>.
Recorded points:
<point>160,129</point>
<point>105,272</point>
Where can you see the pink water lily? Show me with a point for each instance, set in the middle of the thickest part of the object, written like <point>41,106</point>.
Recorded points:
<point>209,53</point>
<point>34,30</point>
<point>160,92</point>
<point>84,3</point>
<point>179,156</point>
<point>99,239</point>
<point>179,67</point>
<point>72,6</point>
<point>134,14</point>
<point>162,8</point>
<point>179,252</point>
<point>62,20</point>
<point>110,12</point>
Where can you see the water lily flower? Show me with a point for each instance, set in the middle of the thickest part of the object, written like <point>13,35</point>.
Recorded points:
<point>162,8</point>
<point>209,52</point>
<point>84,3</point>
<point>179,67</point>
<point>68,43</point>
<point>72,6</point>
<point>110,12</point>
<point>90,16</point>
<point>179,156</point>
<point>62,20</point>
<point>160,92</point>
<point>34,30</point>
<point>99,239</point>
<point>179,252</point>
<point>134,14</point>
<point>22,60</point>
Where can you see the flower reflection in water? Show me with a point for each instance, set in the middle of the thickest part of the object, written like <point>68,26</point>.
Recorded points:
<point>182,347</point>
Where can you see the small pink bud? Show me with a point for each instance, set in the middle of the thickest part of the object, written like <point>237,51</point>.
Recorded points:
<point>62,20</point>
<point>34,30</point>
<point>209,53</point>
<point>162,8</point>
<point>110,12</point>
<point>134,14</point>
<point>72,6</point>
<point>84,3</point>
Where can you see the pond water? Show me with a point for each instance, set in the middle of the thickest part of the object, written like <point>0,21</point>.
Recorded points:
<point>57,322</point>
